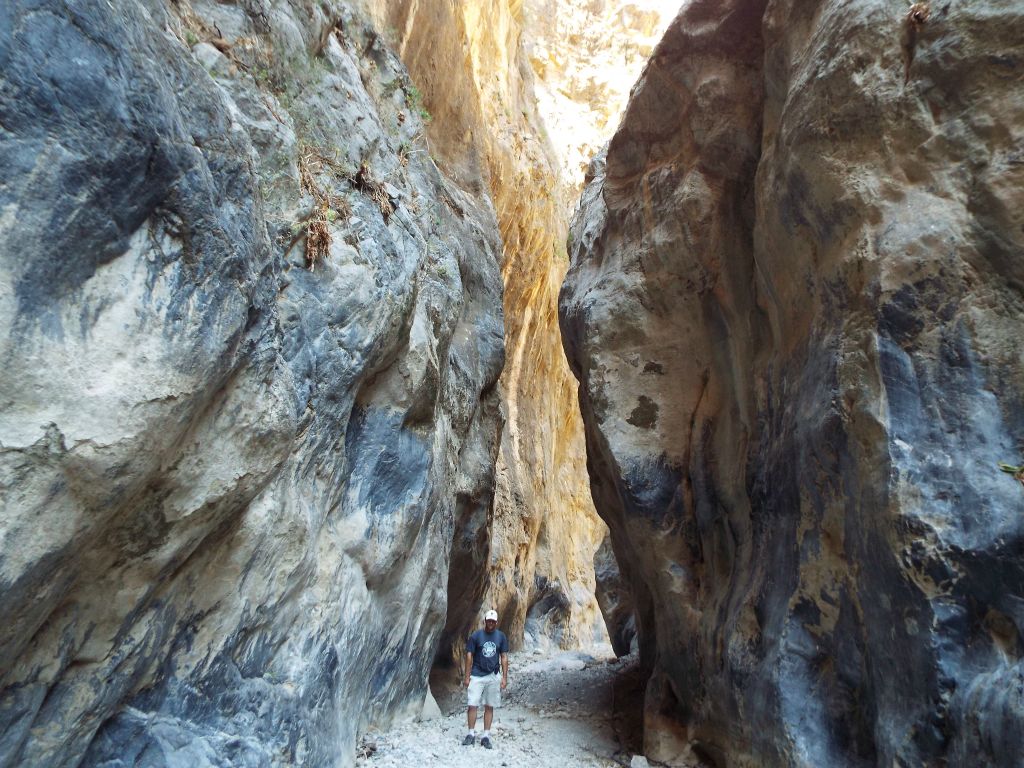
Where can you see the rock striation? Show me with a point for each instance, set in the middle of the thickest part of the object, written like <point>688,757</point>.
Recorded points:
<point>794,309</point>
<point>251,343</point>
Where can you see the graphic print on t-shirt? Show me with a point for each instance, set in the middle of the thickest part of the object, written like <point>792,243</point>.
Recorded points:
<point>486,648</point>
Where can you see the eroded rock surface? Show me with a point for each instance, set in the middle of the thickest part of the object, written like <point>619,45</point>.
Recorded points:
<point>231,467</point>
<point>794,309</point>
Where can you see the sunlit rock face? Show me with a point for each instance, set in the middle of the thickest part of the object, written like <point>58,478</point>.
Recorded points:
<point>231,466</point>
<point>794,309</point>
<point>469,61</point>
<point>585,57</point>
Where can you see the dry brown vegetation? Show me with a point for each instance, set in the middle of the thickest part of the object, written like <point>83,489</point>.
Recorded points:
<point>326,207</point>
<point>197,30</point>
<point>375,190</point>
<point>1017,472</point>
<point>917,15</point>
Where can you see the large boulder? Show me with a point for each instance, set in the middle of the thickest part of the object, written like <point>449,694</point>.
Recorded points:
<point>250,338</point>
<point>794,310</point>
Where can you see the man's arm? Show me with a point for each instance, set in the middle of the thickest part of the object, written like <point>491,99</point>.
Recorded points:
<point>469,666</point>
<point>504,671</point>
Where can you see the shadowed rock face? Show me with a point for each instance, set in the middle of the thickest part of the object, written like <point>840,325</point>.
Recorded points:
<point>229,479</point>
<point>794,309</point>
<point>615,599</point>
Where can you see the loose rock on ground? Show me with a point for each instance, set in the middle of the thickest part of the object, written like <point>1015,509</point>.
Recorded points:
<point>557,712</point>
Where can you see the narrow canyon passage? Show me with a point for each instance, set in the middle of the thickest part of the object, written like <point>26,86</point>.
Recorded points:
<point>569,708</point>
<point>692,329</point>
<point>284,401</point>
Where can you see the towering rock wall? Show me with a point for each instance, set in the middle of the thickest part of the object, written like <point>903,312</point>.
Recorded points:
<point>469,60</point>
<point>794,309</point>
<point>251,339</point>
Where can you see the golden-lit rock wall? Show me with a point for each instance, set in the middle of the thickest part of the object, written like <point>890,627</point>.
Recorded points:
<point>469,63</point>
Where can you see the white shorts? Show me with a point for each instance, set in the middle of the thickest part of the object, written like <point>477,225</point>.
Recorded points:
<point>485,690</point>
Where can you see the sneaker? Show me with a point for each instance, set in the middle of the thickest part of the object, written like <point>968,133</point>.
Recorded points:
<point>485,743</point>
<point>468,741</point>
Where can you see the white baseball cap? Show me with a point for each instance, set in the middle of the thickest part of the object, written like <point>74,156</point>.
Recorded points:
<point>491,615</point>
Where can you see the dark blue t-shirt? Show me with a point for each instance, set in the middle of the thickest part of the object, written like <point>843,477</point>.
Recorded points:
<point>487,648</point>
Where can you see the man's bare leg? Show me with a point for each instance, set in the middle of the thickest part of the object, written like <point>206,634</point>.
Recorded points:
<point>488,716</point>
<point>471,718</point>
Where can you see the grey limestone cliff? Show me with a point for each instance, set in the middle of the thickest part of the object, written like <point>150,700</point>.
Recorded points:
<point>250,344</point>
<point>795,311</point>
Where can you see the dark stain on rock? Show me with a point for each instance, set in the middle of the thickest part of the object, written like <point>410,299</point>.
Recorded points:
<point>900,316</point>
<point>650,490</point>
<point>799,208</point>
<point>653,367</point>
<point>645,415</point>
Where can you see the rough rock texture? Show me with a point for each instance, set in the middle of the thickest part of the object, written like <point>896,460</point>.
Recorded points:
<point>469,61</point>
<point>794,309</point>
<point>230,478</point>
<point>554,714</point>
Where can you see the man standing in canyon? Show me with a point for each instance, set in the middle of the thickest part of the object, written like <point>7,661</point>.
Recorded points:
<point>486,650</point>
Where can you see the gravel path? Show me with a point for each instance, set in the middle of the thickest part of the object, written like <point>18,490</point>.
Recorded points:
<point>557,712</point>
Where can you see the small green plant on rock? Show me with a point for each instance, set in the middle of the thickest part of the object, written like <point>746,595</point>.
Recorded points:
<point>403,153</point>
<point>415,101</point>
<point>1017,472</point>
